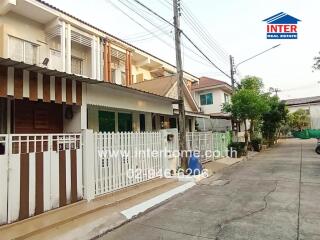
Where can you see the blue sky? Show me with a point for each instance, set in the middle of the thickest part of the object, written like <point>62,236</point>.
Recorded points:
<point>238,28</point>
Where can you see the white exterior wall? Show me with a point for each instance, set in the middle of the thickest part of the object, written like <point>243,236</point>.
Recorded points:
<point>115,98</point>
<point>218,100</point>
<point>139,70</point>
<point>23,28</point>
<point>26,29</point>
<point>314,113</point>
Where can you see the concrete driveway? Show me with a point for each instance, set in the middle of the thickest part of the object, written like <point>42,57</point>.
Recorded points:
<point>260,199</point>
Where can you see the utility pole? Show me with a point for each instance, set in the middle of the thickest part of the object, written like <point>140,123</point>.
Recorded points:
<point>182,116</point>
<point>234,122</point>
<point>232,71</point>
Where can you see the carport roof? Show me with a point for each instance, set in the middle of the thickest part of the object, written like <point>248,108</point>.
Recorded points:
<point>301,101</point>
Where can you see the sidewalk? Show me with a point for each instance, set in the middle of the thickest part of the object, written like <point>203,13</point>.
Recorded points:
<point>87,220</point>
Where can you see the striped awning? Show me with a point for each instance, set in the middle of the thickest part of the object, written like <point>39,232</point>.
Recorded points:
<point>21,80</point>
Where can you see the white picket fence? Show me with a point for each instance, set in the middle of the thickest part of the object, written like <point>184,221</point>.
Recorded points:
<point>124,159</point>
<point>39,162</point>
<point>210,145</point>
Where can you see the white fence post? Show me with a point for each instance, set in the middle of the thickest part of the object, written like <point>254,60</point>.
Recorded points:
<point>4,169</point>
<point>88,164</point>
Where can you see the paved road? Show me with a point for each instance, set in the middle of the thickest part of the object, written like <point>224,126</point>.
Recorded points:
<point>259,199</point>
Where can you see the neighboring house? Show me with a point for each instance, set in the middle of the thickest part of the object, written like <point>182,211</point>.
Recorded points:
<point>310,104</point>
<point>167,87</point>
<point>83,83</point>
<point>210,94</point>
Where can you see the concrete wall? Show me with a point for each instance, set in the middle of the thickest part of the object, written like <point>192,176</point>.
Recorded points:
<point>215,125</point>
<point>24,28</point>
<point>72,125</point>
<point>122,99</point>
<point>314,110</point>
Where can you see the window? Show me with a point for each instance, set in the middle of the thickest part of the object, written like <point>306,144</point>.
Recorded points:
<point>76,65</point>
<point>226,98</point>
<point>154,125</point>
<point>113,75</point>
<point>106,121</point>
<point>3,116</point>
<point>190,125</point>
<point>123,79</point>
<point>125,122</point>
<point>142,122</point>
<point>23,51</point>
<point>172,122</point>
<point>206,99</point>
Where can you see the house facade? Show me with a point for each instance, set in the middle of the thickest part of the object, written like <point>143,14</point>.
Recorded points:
<point>167,87</point>
<point>85,77</point>
<point>310,104</point>
<point>210,95</point>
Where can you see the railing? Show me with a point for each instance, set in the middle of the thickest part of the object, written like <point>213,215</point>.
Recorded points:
<point>125,159</point>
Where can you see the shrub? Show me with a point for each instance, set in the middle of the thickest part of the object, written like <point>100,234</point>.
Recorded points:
<point>238,147</point>
<point>256,144</point>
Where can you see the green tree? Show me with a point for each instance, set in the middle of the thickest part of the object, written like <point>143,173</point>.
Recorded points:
<point>274,119</point>
<point>299,120</point>
<point>248,103</point>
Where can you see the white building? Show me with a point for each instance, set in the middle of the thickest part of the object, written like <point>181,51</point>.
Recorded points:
<point>210,94</point>
<point>310,104</point>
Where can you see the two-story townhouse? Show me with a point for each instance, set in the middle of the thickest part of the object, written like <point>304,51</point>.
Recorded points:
<point>210,94</point>
<point>79,76</point>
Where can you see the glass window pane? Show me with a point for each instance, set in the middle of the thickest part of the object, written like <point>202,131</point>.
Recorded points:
<point>142,122</point>
<point>113,75</point>
<point>106,121</point>
<point>209,98</point>
<point>123,79</point>
<point>30,53</point>
<point>172,123</point>
<point>203,99</point>
<point>124,122</point>
<point>76,65</point>
<point>16,49</point>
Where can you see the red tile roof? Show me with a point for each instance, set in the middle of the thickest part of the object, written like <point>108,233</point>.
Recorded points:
<point>205,82</point>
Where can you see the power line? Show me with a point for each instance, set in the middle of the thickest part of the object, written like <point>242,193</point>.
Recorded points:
<point>155,35</point>
<point>144,34</point>
<point>185,35</point>
<point>136,11</point>
<point>199,29</point>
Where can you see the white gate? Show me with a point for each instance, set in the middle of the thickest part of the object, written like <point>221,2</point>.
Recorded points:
<point>201,142</point>
<point>39,172</point>
<point>210,145</point>
<point>124,159</point>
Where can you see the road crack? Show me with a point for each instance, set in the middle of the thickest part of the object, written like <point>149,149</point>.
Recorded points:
<point>228,221</point>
